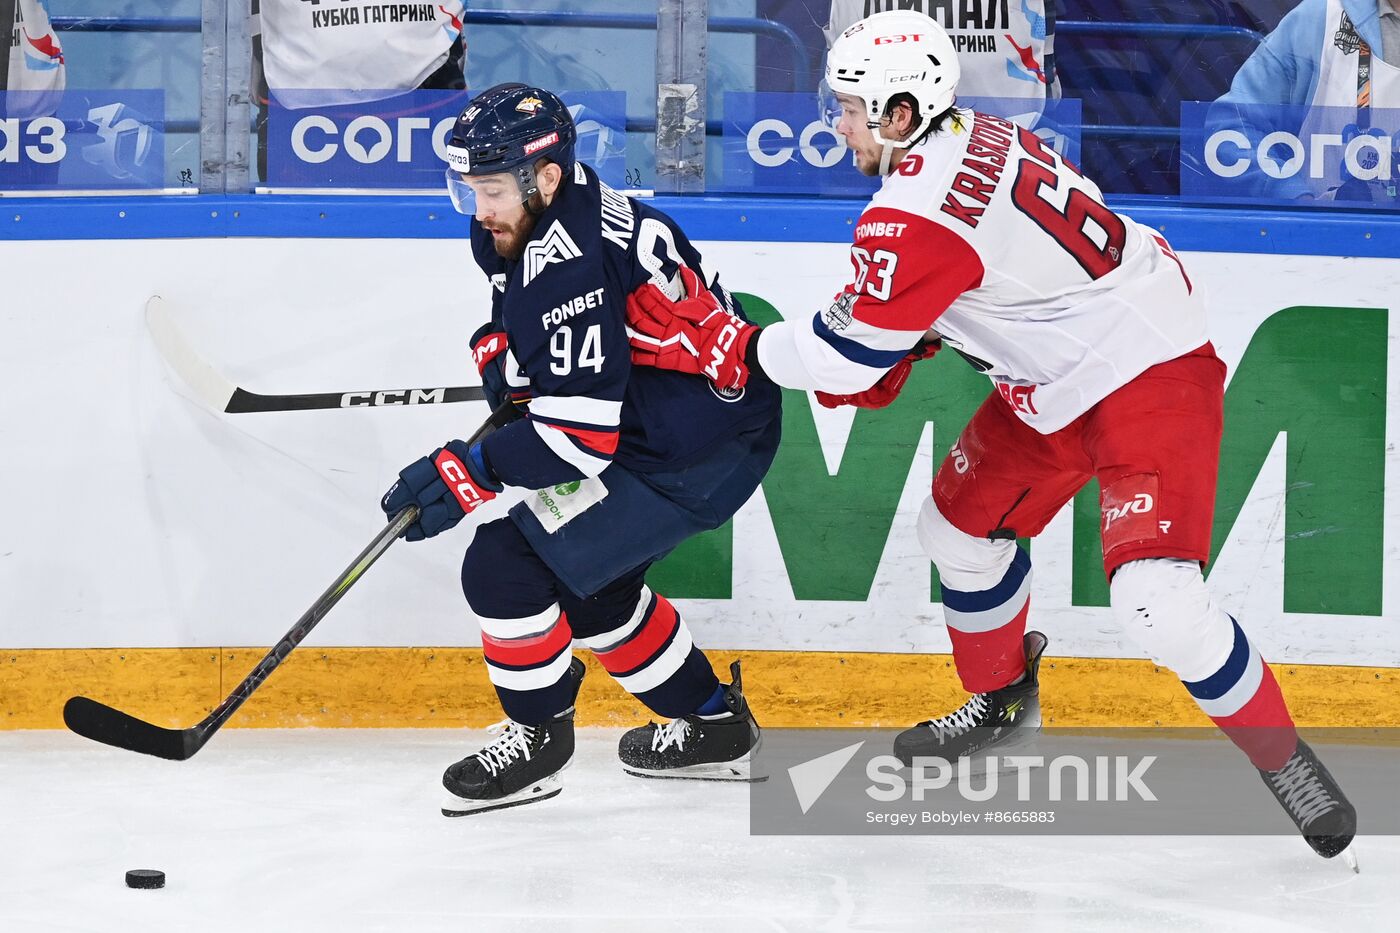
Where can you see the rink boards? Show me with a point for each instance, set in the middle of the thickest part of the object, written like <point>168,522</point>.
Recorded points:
<point>146,533</point>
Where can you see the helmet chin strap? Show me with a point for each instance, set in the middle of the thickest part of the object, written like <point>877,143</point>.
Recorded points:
<point>889,146</point>
<point>886,155</point>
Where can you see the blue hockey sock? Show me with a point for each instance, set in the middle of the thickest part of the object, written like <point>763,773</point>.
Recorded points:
<point>714,705</point>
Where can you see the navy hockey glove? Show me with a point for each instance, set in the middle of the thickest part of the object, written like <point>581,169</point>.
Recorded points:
<point>445,485</point>
<point>489,346</point>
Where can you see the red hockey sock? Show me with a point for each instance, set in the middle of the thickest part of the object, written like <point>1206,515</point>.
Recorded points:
<point>987,628</point>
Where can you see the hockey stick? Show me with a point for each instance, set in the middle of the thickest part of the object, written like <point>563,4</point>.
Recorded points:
<point>217,392</point>
<point>110,726</point>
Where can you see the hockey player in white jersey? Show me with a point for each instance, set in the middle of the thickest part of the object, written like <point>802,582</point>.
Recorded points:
<point>984,240</point>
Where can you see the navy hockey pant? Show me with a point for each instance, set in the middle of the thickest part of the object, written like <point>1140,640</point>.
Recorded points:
<point>569,564</point>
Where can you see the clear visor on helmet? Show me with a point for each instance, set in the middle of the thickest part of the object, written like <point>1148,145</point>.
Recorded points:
<point>836,105</point>
<point>487,194</point>
<point>829,103</point>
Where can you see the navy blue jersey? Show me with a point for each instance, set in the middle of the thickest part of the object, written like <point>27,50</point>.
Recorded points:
<point>562,307</point>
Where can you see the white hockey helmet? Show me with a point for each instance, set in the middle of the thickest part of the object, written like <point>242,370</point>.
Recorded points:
<point>895,52</point>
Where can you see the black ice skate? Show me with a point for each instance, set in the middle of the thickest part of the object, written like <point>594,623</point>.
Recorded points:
<point>696,747</point>
<point>522,766</point>
<point>1314,801</point>
<point>1003,720</point>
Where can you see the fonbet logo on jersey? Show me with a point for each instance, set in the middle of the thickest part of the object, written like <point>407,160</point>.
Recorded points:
<point>554,246</point>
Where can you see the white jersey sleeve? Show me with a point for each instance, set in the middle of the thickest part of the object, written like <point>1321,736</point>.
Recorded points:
<point>987,236</point>
<point>908,269</point>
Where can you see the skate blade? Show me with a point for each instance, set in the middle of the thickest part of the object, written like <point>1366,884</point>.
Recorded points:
<point>535,793</point>
<point>1349,859</point>
<point>740,770</point>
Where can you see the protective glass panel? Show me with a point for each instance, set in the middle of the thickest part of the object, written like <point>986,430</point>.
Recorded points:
<point>101,104</point>
<point>1207,101</point>
<point>361,96</point>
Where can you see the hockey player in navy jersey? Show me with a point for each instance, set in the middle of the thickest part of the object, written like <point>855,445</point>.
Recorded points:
<point>624,464</point>
<point>984,239</point>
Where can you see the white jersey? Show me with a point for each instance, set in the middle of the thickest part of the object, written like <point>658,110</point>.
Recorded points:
<point>986,237</point>
<point>36,62</point>
<point>1004,46</point>
<point>353,47</point>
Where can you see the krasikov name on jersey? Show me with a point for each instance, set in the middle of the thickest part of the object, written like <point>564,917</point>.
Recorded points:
<point>982,168</point>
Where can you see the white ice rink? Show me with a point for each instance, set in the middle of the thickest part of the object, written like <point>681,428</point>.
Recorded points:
<point>339,831</point>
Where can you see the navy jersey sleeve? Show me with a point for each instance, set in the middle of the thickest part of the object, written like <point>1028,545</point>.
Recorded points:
<point>491,264</point>
<point>567,329</point>
<point>661,248</point>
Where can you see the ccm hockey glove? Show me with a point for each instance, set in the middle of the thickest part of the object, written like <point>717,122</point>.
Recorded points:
<point>445,485</point>
<point>891,383</point>
<point>489,346</point>
<point>690,335</point>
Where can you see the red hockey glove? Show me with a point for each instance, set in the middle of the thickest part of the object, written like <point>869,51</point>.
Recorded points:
<point>887,389</point>
<point>693,335</point>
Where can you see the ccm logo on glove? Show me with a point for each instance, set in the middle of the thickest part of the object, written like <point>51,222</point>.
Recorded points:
<point>444,488</point>
<point>454,474</point>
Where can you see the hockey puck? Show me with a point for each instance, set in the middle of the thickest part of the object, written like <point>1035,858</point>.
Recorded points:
<point>145,878</point>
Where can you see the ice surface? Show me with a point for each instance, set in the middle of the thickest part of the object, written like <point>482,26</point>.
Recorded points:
<point>340,830</point>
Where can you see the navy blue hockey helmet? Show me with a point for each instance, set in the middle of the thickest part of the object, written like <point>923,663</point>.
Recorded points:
<point>507,128</point>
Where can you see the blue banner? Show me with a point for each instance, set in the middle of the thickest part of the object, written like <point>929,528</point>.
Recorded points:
<point>82,140</point>
<point>1266,154</point>
<point>776,143</point>
<point>400,142</point>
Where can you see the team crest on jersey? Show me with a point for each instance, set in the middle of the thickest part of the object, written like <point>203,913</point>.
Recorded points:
<point>726,395</point>
<point>838,316</point>
<point>554,246</point>
<point>1347,39</point>
<point>529,105</point>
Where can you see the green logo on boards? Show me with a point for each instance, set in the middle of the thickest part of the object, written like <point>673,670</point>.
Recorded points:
<point>1313,379</point>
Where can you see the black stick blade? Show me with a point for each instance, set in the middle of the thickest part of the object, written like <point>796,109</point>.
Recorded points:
<point>102,723</point>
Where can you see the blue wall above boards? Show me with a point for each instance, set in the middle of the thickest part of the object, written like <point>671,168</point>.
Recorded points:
<point>1292,232</point>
